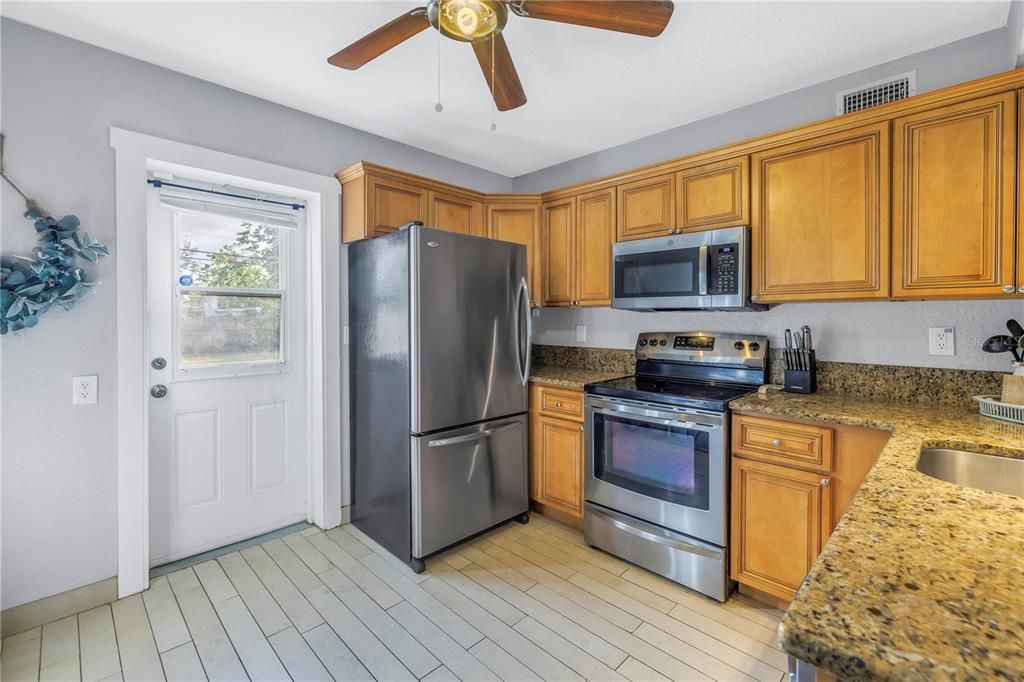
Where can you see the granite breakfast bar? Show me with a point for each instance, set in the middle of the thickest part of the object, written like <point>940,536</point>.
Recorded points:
<point>921,579</point>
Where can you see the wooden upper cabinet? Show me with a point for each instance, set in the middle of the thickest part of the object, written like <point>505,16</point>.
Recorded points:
<point>953,200</point>
<point>781,519</point>
<point>520,223</point>
<point>559,239</point>
<point>820,218</point>
<point>456,213</point>
<point>595,233</point>
<point>713,195</point>
<point>1020,194</point>
<point>646,208</point>
<point>391,204</point>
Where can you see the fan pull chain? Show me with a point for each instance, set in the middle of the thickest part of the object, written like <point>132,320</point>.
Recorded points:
<point>439,107</point>
<point>494,126</point>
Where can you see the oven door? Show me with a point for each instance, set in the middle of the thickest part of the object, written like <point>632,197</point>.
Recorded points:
<point>661,273</point>
<point>662,465</point>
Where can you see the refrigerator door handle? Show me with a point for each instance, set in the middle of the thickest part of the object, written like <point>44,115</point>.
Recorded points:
<point>523,357</point>
<point>471,437</point>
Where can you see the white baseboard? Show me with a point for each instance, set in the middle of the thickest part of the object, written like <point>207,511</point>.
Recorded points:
<point>48,609</point>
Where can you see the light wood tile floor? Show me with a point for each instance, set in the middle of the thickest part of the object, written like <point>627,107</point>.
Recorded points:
<point>520,603</point>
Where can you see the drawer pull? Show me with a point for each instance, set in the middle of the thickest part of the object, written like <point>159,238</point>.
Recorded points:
<point>776,442</point>
<point>558,403</point>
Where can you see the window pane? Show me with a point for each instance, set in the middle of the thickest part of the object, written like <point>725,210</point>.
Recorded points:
<point>221,328</point>
<point>219,251</point>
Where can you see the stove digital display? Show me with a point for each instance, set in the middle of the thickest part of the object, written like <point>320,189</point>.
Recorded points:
<point>694,343</point>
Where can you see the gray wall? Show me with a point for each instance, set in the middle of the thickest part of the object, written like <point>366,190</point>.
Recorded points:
<point>60,97</point>
<point>964,60</point>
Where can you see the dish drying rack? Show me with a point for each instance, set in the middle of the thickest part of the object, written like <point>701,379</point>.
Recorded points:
<point>992,406</point>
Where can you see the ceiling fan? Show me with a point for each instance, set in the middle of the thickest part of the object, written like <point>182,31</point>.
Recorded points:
<point>479,22</point>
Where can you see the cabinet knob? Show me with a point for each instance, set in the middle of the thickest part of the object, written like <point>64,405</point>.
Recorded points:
<point>776,442</point>
<point>1021,290</point>
<point>753,297</point>
<point>558,403</point>
<point>581,429</point>
<point>1008,289</point>
<point>825,482</point>
<point>670,230</point>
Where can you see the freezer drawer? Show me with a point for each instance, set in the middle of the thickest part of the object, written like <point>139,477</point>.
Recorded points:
<point>467,480</point>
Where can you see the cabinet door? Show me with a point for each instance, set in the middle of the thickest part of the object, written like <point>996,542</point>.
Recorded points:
<point>391,204</point>
<point>714,195</point>
<point>595,232</point>
<point>953,200</point>
<point>561,464</point>
<point>520,224</point>
<point>780,522</point>
<point>646,208</point>
<point>456,214</point>
<point>820,218</point>
<point>559,218</point>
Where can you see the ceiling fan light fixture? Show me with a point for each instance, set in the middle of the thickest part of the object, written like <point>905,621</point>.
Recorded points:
<point>467,20</point>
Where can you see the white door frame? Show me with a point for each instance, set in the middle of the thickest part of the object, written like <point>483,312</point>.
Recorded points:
<point>135,155</point>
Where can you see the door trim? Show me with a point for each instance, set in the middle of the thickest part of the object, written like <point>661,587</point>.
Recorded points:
<point>135,155</point>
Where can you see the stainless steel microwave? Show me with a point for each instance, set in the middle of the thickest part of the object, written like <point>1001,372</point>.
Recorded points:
<point>693,271</point>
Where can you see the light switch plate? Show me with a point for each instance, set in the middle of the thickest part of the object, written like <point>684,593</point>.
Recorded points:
<point>83,390</point>
<point>581,333</point>
<point>941,341</point>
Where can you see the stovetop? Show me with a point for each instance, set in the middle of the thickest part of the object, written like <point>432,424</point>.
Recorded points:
<point>706,395</point>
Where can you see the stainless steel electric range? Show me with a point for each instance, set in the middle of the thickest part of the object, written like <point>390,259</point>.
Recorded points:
<point>657,463</point>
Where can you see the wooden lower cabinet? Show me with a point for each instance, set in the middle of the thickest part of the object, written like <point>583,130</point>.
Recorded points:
<point>556,452</point>
<point>785,506</point>
<point>781,518</point>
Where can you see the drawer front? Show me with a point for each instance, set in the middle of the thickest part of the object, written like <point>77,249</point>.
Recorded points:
<point>561,403</point>
<point>773,440</point>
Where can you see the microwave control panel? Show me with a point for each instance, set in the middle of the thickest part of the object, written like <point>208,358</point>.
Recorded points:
<point>723,269</point>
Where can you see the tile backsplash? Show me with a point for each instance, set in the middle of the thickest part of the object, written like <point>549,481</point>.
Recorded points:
<point>885,382</point>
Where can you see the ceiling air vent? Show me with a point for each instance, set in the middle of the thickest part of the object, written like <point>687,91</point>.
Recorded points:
<point>876,93</point>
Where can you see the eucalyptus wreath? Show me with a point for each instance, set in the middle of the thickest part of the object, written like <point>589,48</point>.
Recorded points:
<point>31,285</point>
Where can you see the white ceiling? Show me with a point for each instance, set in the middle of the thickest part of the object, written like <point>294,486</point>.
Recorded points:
<point>587,89</point>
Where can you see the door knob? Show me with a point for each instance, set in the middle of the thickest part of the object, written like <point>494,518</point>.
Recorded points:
<point>1008,289</point>
<point>158,363</point>
<point>158,391</point>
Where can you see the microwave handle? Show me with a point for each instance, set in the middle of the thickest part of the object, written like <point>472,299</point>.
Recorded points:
<point>702,272</point>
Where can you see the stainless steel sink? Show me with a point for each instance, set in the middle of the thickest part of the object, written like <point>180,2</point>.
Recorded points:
<point>986,472</point>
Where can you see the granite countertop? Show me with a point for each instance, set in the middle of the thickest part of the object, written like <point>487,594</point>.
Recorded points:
<point>921,579</point>
<point>570,377</point>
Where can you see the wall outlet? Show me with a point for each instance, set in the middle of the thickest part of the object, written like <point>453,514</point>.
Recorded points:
<point>941,341</point>
<point>581,333</point>
<point>83,390</point>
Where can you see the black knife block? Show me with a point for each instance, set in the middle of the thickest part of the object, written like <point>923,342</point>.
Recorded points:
<point>802,381</point>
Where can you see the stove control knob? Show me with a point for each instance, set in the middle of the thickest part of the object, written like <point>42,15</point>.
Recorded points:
<point>755,346</point>
<point>662,342</point>
<point>643,342</point>
<point>739,345</point>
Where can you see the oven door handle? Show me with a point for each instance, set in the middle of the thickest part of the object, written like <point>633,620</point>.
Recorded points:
<point>653,537</point>
<point>687,420</point>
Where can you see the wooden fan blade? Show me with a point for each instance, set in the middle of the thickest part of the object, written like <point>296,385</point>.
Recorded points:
<point>639,17</point>
<point>375,44</point>
<point>508,91</point>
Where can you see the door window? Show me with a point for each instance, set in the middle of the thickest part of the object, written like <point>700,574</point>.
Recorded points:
<point>230,292</point>
<point>664,462</point>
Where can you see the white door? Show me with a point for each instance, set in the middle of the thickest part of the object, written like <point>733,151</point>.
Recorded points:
<point>227,405</point>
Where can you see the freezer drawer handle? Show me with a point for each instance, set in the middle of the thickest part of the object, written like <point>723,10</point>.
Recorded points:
<point>675,544</point>
<point>471,437</point>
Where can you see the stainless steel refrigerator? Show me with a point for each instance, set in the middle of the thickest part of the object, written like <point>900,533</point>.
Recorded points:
<point>440,359</point>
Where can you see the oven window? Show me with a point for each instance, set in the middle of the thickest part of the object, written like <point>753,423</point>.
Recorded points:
<point>659,273</point>
<point>665,462</point>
